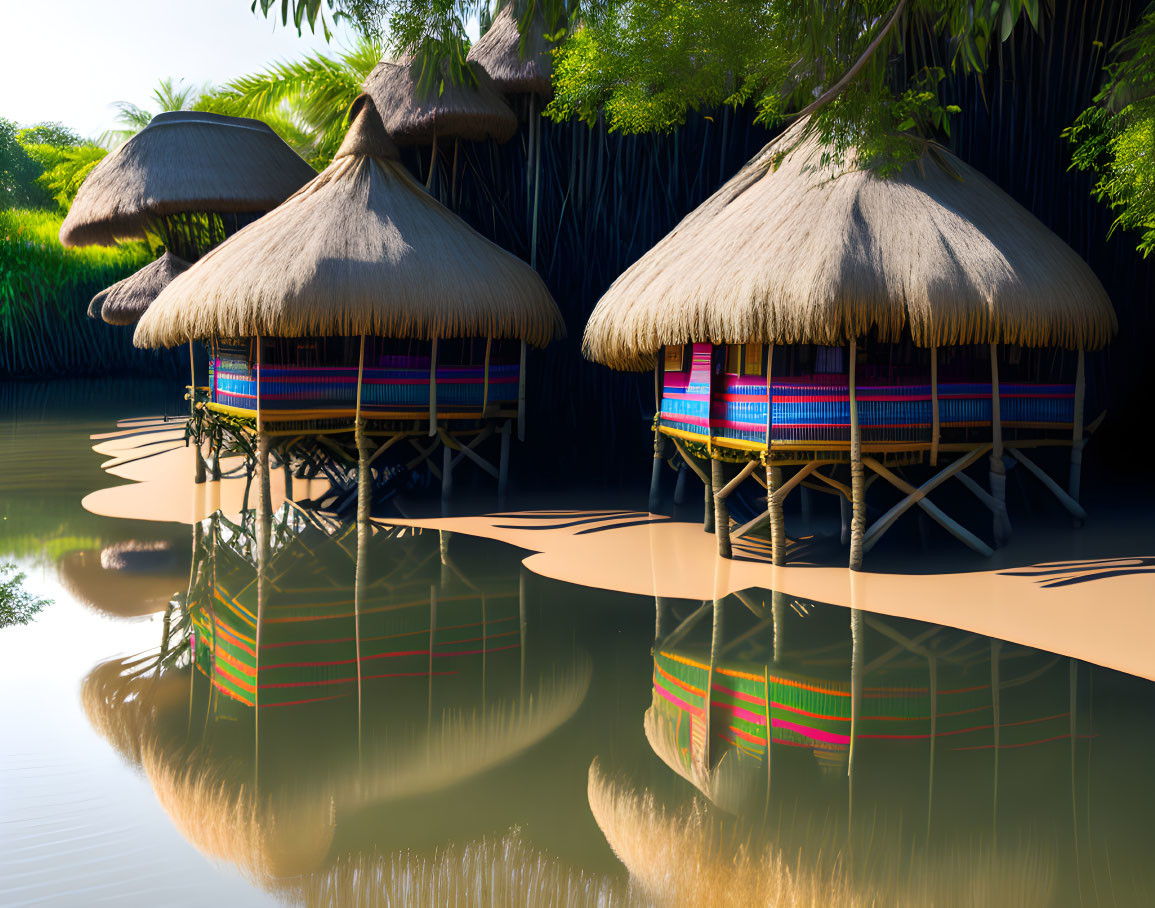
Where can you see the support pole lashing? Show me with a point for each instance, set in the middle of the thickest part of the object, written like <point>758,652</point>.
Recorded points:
<point>998,473</point>
<point>721,511</point>
<point>503,466</point>
<point>777,518</point>
<point>1077,440</point>
<point>857,478</point>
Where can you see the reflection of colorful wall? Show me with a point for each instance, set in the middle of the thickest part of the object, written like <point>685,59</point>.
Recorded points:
<point>308,632</point>
<point>811,712</point>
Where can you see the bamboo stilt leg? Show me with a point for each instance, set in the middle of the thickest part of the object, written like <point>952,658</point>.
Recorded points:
<point>778,613</point>
<point>264,484</point>
<point>857,478</point>
<point>656,472</point>
<point>446,474</point>
<point>680,485</point>
<point>998,472</point>
<point>777,519</point>
<point>708,510</point>
<point>721,511</point>
<point>1077,431</point>
<point>503,466</point>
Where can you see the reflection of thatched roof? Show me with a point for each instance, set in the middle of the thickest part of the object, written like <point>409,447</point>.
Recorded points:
<point>117,592</point>
<point>183,161</point>
<point>474,111</point>
<point>499,52</point>
<point>125,301</point>
<point>794,254</point>
<point>362,249</point>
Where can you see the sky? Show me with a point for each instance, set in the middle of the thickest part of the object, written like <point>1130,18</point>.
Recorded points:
<point>70,60</point>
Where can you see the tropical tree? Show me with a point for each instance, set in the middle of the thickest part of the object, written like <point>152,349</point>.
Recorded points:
<point>18,171</point>
<point>17,605</point>
<point>304,101</point>
<point>168,95</point>
<point>1114,137</point>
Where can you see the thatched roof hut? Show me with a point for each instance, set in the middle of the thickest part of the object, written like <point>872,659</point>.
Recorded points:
<point>183,161</point>
<point>126,301</point>
<point>473,111</point>
<point>515,69</point>
<point>789,252</point>
<point>361,249</point>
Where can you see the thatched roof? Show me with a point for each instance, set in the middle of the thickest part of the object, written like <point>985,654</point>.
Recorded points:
<point>97,303</point>
<point>183,161</point>
<point>499,53</point>
<point>126,301</point>
<point>361,249</point>
<point>796,254</point>
<point>474,112</point>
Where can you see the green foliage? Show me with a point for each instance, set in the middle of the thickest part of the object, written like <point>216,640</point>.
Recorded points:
<point>18,171</point>
<point>54,134</point>
<point>64,168</point>
<point>17,605</point>
<point>44,295</point>
<point>168,95</point>
<point>1115,137</point>
<point>306,101</point>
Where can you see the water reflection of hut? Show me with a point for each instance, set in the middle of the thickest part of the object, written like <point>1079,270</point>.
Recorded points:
<point>437,659</point>
<point>892,321</point>
<point>126,301</point>
<point>363,305</point>
<point>122,579</point>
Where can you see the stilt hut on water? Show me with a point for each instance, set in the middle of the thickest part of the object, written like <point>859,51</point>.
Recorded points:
<point>891,321</point>
<point>187,181</point>
<point>363,305</point>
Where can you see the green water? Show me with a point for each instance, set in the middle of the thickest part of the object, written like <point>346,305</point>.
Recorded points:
<point>417,692</point>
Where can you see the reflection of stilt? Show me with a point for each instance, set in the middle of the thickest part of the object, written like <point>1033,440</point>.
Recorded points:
<point>484,647</point>
<point>521,609</point>
<point>1073,681</point>
<point>932,665</point>
<point>996,650</point>
<point>769,744</point>
<point>715,651</point>
<point>264,532</point>
<point>778,611</point>
<point>661,611</point>
<point>721,509</point>
<point>432,633</point>
<point>856,656</point>
<point>364,529</point>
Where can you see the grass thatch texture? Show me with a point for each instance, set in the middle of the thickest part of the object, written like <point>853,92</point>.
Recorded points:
<point>44,293</point>
<point>516,67</point>
<point>361,249</point>
<point>488,872</point>
<point>473,110</point>
<point>183,161</point>
<point>126,301</point>
<point>792,251</point>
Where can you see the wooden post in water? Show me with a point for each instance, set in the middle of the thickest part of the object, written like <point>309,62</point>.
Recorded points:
<point>503,465</point>
<point>856,657</point>
<point>1077,430</point>
<point>708,510</point>
<point>998,474</point>
<point>857,480</point>
<point>721,511</point>
<point>777,518</point>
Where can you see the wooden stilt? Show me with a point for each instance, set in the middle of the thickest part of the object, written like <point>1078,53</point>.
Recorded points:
<point>264,484</point>
<point>778,612</point>
<point>446,473</point>
<point>857,484</point>
<point>721,511</point>
<point>708,509</point>
<point>192,402</point>
<point>521,396</point>
<point>777,519</point>
<point>503,466</point>
<point>1073,507</point>
<point>935,417</point>
<point>485,386</point>
<point>1077,430</point>
<point>998,473</point>
<point>433,389</point>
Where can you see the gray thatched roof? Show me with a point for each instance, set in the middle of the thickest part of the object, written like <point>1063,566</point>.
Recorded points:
<point>361,249</point>
<point>126,301</point>
<point>97,303</point>
<point>499,53</point>
<point>183,161</point>
<point>474,112</point>
<point>794,253</point>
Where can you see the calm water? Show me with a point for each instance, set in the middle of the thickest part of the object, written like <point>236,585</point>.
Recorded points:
<point>429,722</point>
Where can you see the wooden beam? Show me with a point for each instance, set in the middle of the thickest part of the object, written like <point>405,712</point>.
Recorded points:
<point>756,524</point>
<point>979,492</point>
<point>884,523</point>
<point>839,487</point>
<point>728,489</point>
<point>467,451</point>
<point>960,532</point>
<point>788,486</point>
<point>485,386</point>
<point>1075,509</point>
<point>385,447</point>
<point>691,462</point>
